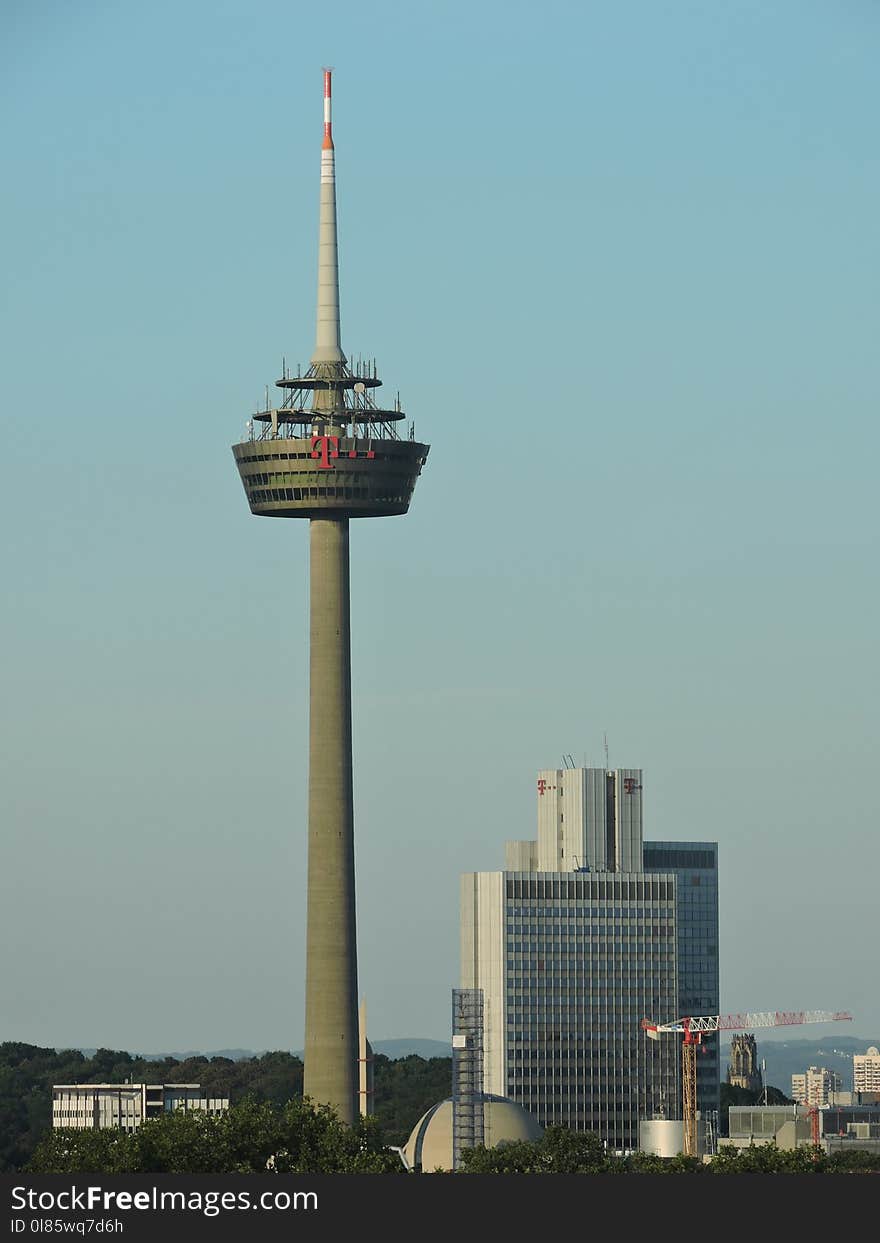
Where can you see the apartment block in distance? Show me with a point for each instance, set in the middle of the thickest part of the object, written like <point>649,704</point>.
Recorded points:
<point>125,1105</point>
<point>815,1086</point>
<point>582,935</point>
<point>866,1071</point>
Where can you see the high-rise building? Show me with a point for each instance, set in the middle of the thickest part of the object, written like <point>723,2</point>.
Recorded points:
<point>577,941</point>
<point>743,1070</point>
<point>815,1086</point>
<point>866,1070</point>
<point>329,453</point>
<point>695,868</point>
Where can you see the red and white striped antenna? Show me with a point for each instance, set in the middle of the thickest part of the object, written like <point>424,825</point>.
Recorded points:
<point>328,109</point>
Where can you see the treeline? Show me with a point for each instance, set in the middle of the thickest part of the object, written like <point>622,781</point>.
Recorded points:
<point>560,1151</point>
<point>258,1138</point>
<point>404,1088</point>
<point>254,1137</point>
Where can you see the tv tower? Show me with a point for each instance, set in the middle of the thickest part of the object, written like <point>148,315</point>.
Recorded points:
<point>329,453</point>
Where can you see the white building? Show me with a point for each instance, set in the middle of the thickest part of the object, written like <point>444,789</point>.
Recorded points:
<point>816,1086</point>
<point>866,1071</point>
<point>125,1105</point>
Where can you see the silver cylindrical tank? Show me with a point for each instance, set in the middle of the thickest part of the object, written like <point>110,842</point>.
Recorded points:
<point>664,1137</point>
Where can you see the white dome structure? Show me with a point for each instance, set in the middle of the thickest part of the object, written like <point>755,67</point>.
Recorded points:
<point>429,1147</point>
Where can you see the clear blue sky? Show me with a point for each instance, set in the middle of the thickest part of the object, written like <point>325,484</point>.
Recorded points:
<point>621,260</point>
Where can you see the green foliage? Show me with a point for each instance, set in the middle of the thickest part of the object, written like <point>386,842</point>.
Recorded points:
<point>405,1089</point>
<point>65,1151</point>
<point>648,1163</point>
<point>856,1162</point>
<point>254,1137</point>
<point>768,1159</point>
<point>28,1072</point>
<point>26,1075</point>
<point>558,1151</point>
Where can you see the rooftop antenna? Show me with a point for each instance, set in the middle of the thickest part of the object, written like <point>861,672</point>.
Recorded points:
<point>605,743</point>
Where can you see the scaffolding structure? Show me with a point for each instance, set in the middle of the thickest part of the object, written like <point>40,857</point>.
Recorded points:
<point>467,1071</point>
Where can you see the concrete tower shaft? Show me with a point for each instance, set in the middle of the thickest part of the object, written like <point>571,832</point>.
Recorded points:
<point>329,453</point>
<point>331,1043</point>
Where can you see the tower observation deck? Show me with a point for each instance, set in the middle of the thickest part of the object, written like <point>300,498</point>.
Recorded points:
<point>328,449</point>
<point>328,452</point>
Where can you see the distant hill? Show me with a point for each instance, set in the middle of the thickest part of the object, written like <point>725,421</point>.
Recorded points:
<point>234,1055</point>
<point>408,1046</point>
<point>405,1046</point>
<point>784,1057</point>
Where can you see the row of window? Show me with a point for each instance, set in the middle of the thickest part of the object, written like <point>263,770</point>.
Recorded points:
<point>344,449</point>
<point>285,478</point>
<point>577,885</point>
<point>545,912</point>
<point>258,496</point>
<point>90,1113</point>
<point>579,910</point>
<point>661,860</point>
<point>583,921</point>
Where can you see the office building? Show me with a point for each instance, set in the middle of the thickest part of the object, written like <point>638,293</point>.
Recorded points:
<point>88,1106</point>
<point>587,931</point>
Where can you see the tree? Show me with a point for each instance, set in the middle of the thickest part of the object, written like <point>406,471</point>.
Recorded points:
<point>768,1159</point>
<point>254,1137</point>
<point>69,1151</point>
<point>406,1088</point>
<point>856,1162</point>
<point>650,1163</point>
<point>558,1151</point>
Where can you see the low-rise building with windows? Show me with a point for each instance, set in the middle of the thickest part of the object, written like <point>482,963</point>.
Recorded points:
<point>88,1106</point>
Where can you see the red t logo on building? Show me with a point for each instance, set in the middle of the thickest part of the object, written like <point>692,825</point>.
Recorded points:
<point>329,448</point>
<point>542,785</point>
<point>630,785</point>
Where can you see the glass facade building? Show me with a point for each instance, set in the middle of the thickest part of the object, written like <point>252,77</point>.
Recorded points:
<point>695,868</point>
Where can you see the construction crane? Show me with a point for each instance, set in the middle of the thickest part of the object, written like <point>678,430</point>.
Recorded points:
<point>696,1027</point>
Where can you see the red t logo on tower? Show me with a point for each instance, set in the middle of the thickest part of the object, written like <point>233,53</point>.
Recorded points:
<point>329,448</point>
